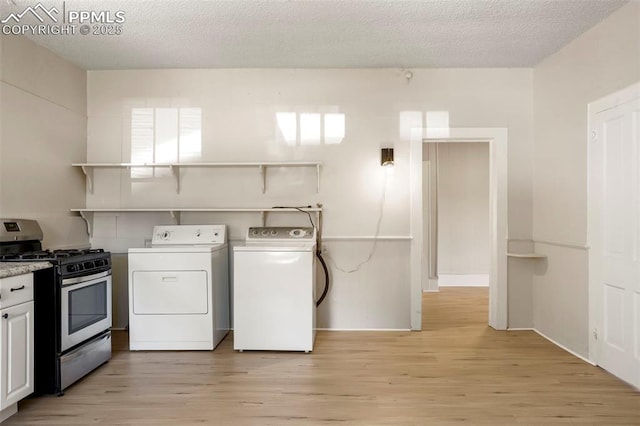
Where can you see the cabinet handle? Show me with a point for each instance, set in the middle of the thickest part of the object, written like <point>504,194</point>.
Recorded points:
<point>16,289</point>
<point>5,316</point>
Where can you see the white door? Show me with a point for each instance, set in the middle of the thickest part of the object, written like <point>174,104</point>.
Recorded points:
<point>16,338</point>
<point>614,233</point>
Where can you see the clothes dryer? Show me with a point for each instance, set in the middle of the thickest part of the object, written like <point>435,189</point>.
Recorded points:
<point>179,289</point>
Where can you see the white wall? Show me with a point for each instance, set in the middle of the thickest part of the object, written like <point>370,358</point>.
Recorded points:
<point>238,124</point>
<point>602,60</point>
<point>463,209</point>
<point>43,130</point>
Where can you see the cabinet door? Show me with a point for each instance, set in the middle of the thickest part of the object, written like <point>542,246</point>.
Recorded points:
<point>16,354</point>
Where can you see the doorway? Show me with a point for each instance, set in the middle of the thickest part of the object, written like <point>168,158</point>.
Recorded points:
<point>497,139</point>
<point>456,215</point>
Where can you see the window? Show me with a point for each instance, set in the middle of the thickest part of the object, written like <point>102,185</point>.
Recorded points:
<point>310,128</point>
<point>164,135</point>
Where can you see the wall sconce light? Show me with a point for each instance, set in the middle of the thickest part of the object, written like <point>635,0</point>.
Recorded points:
<point>386,157</point>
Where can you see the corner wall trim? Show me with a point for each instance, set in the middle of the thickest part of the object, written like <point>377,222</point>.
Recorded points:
<point>562,244</point>
<point>565,348</point>
<point>366,238</point>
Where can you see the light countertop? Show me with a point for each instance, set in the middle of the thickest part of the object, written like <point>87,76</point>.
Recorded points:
<point>10,269</point>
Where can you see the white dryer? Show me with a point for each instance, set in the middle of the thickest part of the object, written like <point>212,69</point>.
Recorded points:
<point>274,285</point>
<point>179,289</point>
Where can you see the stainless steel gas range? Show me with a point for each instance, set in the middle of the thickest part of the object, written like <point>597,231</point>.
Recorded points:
<point>72,306</point>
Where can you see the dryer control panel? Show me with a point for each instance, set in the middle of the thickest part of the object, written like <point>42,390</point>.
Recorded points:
<point>181,235</point>
<point>281,234</point>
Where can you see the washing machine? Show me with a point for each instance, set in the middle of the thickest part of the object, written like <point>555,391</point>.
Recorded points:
<point>179,289</point>
<point>274,290</point>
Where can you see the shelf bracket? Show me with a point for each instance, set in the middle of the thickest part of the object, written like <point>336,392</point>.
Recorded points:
<point>88,219</point>
<point>318,178</point>
<point>175,215</point>
<point>263,175</point>
<point>176,174</point>
<point>88,172</point>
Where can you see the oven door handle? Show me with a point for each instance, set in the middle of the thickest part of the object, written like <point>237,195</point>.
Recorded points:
<point>84,278</point>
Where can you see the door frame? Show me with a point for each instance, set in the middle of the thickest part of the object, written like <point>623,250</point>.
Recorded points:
<point>497,139</point>
<point>610,101</point>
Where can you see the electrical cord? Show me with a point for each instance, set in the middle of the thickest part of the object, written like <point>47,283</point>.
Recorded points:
<point>317,253</point>
<point>375,238</point>
<point>300,209</point>
<point>326,278</point>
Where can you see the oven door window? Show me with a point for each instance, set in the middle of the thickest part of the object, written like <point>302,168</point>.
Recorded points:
<point>87,305</point>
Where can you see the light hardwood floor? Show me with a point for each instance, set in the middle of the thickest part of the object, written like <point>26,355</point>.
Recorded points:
<point>456,371</point>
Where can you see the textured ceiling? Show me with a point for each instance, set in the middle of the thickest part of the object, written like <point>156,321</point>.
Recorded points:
<point>322,33</point>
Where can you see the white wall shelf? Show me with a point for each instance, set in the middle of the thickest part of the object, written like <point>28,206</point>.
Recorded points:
<point>88,214</point>
<point>527,255</point>
<point>262,167</point>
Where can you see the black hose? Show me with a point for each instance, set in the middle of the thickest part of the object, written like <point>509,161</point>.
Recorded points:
<point>326,279</point>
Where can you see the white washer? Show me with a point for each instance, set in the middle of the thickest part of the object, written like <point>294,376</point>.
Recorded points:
<point>179,289</point>
<point>274,290</point>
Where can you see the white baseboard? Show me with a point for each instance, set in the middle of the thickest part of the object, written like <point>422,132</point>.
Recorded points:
<point>8,412</point>
<point>520,329</point>
<point>565,348</point>
<point>463,280</point>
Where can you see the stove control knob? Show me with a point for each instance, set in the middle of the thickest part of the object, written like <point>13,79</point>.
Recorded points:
<point>274,232</point>
<point>265,233</point>
<point>254,232</point>
<point>71,268</point>
<point>296,233</point>
<point>165,235</point>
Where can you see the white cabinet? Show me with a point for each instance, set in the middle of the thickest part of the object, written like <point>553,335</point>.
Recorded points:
<point>17,354</point>
<point>16,342</point>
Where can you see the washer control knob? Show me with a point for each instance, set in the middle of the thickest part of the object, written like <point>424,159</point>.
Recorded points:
<point>264,233</point>
<point>165,235</point>
<point>296,233</point>
<point>254,232</point>
<point>274,232</point>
